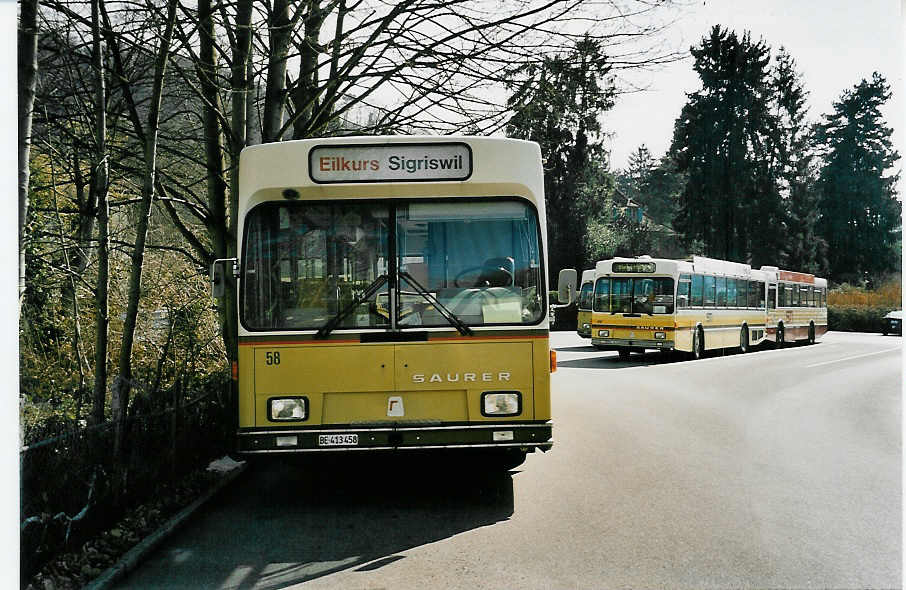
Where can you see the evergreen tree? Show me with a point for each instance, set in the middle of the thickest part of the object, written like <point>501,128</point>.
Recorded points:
<point>557,104</point>
<point>730,202</point>
<point>858,207</point>
<point>794,169</point>
<point>653,184</point>
<point>641,163</point>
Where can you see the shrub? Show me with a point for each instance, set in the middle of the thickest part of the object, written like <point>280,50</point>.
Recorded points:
<point>857,319</point>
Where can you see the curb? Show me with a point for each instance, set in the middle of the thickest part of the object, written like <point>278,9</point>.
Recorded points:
<point>132,558</point>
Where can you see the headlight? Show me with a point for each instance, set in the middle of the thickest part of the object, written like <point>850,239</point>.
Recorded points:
<point>586,326</point>
<point>501,403</point>
<point>660,335</point>
<point>287,409</point>
<point>604,333</point>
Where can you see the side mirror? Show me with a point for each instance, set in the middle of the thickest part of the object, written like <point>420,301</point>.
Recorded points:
<point>218,280</point>
<point>218,276</point>
<point>566,285</point>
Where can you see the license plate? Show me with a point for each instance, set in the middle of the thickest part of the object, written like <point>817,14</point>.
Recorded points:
<point>338,440</point>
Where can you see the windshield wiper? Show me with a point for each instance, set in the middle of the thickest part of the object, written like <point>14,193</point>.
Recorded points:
<point>451,317</point>
<point>337,319</point>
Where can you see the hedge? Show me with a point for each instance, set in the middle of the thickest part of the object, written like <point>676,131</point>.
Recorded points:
<point>856,319</point>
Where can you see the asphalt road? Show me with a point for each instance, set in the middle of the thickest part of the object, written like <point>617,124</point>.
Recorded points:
<point>773,469</point>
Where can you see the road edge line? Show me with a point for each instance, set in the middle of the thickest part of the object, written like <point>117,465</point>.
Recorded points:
<point>132,558</point>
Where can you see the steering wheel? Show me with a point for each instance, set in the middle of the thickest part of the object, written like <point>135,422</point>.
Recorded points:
<point>462,274</point>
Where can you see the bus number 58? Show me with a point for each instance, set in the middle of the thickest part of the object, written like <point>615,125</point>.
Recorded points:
<point>272,358</point>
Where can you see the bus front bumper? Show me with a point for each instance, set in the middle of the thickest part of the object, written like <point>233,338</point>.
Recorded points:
<point>635,344</point>
<point>395,437</point>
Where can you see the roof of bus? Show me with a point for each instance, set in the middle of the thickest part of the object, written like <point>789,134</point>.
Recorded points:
<point>498,167</point>
<point>587,275</point>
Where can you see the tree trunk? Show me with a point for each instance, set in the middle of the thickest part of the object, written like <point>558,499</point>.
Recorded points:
<point>99,188</point>
<point>28,78</point>
<point>123,383</point>
<point>216,175</point>
<point>280,28</point>
<point>240,115</point>
<point>305,94</point>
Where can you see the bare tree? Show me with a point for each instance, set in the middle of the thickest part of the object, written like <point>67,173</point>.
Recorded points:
<point>28,77</point>
<point>123,381</point>
<point>99,188</point>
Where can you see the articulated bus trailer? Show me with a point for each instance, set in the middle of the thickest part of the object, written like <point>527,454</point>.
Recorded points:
<point>392,295</point>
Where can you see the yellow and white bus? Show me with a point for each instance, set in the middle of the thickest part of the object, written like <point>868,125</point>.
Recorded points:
<point>702,304</point>
<point>393,296</point>
<point>583,303</point>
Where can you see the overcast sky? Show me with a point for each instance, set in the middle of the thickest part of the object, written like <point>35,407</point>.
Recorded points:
<point>836,43</point>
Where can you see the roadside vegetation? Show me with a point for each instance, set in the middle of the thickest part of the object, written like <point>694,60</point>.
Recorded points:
<point>861,309</point>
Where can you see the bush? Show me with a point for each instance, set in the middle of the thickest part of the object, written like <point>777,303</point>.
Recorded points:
<point>857,319</point>
<point>889,294</point>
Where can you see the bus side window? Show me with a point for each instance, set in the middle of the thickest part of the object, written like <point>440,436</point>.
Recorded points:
<point>721,283</point>
<point>731,292</point>
<point>710,285</point>
<point>754,299</point>
<point>697,285</point>
<point>682,291</point>
<point>772,296</point>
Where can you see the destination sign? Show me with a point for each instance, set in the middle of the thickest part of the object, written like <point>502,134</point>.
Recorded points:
<point>399,162</point>
<point>633,267</point>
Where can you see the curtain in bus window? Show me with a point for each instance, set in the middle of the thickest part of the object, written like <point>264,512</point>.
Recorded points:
<point>621,295</point>
<point>710,283</point>
<point>683,289</point>
<point>305,262</point>
<point>602,295</point>
<point>772,296</point>
<point>585,296</point>
<point>721,288</point>
<point>479,259</point>
<point>697,289</point>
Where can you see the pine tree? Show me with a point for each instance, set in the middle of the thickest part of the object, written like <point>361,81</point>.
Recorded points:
<point>859,210</point>
<point>794,169</point>
<point>730,202</point>
<point>557,104</point>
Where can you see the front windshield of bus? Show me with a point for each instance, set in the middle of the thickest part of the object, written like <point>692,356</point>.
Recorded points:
<point>585,296</point>
<point>481,260</point>
<point>306,262</point>
<point>650,296</point>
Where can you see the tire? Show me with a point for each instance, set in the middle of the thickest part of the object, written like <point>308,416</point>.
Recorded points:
<point>811,333</point>
<point>779,340</point>
<point>624,354</point>
<point>698,343</point>
<point>744,340</point>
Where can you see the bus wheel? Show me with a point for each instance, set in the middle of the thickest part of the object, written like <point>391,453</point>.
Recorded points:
<point>698,343</point>
<point>780,340</point>
<point>811,333</point>
<point>744,340</point>
<point>624,354</point>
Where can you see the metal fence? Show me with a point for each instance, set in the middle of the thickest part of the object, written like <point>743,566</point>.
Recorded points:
<point>72,486</point>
